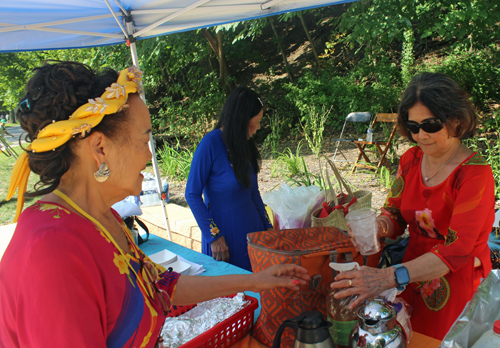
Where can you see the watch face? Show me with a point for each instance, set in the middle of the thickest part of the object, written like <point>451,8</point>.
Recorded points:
<point>402,276</point>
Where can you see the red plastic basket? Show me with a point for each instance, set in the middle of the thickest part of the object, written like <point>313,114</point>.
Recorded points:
<point>226,333</point>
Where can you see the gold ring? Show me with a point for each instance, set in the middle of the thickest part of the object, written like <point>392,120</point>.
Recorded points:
<point>350,282</point>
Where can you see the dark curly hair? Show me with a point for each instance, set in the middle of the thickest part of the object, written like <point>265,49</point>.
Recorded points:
<point>240,107</point>
<point>54,92</point>
<point>444,98</point>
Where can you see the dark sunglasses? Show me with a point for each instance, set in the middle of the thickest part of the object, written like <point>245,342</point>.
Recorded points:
<point>432,125</point>
<point>25,105</point>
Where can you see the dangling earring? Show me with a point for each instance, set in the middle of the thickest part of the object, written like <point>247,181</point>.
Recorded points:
<point>103,173</point>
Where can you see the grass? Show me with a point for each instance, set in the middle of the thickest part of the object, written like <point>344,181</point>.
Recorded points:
<point>7,125</point>
<point>8,209</point>
<point>175,162</point>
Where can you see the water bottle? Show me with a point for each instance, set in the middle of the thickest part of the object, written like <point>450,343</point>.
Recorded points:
<point>342,318</point>
<point>369,134</point>
<point>490,338</point>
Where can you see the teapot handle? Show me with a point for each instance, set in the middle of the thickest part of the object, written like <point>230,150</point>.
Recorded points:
<point>287,323</point>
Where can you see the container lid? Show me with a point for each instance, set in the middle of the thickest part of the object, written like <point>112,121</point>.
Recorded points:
<point>377,310</point>
<point>496,327</point>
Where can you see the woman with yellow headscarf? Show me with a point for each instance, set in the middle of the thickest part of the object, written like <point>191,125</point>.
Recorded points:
<point>72,275</point>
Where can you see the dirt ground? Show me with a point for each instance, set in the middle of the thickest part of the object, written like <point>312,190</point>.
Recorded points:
<point>362,179</point>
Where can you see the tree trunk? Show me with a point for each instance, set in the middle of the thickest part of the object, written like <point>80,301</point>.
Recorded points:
<point>283,55</point>
<point>217,46</point>
<point>311,42</point>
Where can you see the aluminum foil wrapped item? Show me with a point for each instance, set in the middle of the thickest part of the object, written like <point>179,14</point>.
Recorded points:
<point>179,330</point>
<point>478,316</point>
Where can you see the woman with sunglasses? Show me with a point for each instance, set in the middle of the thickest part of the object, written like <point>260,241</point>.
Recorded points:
<point>72,275</point>
<point>444,195</point>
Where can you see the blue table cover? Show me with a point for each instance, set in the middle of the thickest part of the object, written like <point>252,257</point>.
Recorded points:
<point>213,268</point>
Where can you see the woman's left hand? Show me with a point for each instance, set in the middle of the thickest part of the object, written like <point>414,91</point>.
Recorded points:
<point>286,275</point>
<point>367,282</point>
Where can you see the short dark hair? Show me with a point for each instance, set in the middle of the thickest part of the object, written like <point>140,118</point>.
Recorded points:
<point>444,98</point>
<point>54,92</point>
<point>240,107</point>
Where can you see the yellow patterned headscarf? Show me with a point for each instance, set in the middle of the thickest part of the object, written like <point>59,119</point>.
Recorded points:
<point>80,122</point>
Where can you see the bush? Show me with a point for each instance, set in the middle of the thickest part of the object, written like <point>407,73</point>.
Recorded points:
<point>477,72</point>
<point>192,118</point>
<point>175,161</point>
<point>346,94</point>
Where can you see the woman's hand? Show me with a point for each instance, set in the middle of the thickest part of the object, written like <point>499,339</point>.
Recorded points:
<point>286,275</point>
<point>220,250</point>
<point>367,282</point>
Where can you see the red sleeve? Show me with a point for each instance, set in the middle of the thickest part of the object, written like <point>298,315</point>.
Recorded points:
<point>472,218</point>
<point>61,298</point>
<point>392,206</point>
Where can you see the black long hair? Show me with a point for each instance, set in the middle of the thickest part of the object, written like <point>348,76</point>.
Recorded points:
<point>240,107</point>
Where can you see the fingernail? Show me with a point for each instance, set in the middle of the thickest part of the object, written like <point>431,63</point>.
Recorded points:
<point>295,281</point>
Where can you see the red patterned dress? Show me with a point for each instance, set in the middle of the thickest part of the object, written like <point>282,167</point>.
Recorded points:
<point>452,220</point>
<point>64,284</point>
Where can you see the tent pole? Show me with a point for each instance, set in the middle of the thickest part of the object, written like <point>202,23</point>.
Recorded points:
<point>135,61</point>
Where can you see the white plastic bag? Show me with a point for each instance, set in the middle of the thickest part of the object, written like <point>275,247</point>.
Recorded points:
<point>292,206</point>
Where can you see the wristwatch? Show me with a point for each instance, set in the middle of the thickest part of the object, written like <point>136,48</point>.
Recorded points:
<point>401,276</point>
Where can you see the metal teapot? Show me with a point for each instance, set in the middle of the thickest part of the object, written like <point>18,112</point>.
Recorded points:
<point>377,327</point>
<point>311,331</point>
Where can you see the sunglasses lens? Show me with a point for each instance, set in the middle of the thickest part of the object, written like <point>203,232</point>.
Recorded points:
<point>429,126</point>
<point>432,126</point>
<point>166,304</point>
<point>413,127</point>
<point>149,272</point>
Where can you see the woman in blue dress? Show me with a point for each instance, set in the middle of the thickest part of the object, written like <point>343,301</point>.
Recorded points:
<point>224,170</point>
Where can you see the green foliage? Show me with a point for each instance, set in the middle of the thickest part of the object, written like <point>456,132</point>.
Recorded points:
<point>175,162</point>
<point>191,118</point>
<point>314,126</point>
<point>344,93</point>
<point>489,148</point>
<point>272,140</point>
<point>385,177</point>
<point>294,169</point>
<point>373,25</point>
<point>478,72</point>
<point>407,58</point>
<point>8,208</point>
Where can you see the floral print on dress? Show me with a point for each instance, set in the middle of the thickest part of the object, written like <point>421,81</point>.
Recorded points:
<point>52,208</point>
<point>425,224</point>
<point>214,230</point>
<point>122,265</point>
<point>435,293</point>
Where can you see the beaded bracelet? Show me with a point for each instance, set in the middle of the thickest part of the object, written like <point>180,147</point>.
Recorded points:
<point>385,227</point>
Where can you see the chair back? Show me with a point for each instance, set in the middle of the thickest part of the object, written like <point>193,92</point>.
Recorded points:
<point>359,117</point>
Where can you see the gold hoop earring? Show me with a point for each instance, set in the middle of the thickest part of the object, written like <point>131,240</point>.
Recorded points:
<point>103,173</point>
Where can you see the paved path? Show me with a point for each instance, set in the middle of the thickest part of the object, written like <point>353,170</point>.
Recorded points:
<point>17,132</point>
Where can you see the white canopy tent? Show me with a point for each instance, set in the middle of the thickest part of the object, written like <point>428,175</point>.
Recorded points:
<point>27,25</point>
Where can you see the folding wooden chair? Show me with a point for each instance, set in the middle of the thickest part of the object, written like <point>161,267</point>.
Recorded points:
<point>381,146</point>
<point>353,117</point>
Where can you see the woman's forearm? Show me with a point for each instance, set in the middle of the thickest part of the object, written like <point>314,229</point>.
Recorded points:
<point>195,289</point>
<point>426,267</point>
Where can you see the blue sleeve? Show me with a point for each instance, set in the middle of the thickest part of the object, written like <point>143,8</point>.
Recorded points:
<point>257,200</point>
<point>199,173</point>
